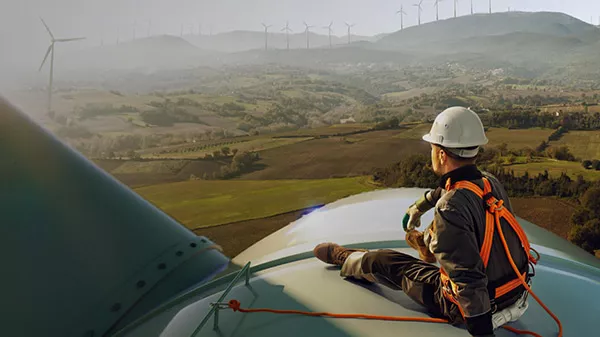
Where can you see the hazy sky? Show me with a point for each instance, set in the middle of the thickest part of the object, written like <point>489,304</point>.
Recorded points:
<point>24,39</point>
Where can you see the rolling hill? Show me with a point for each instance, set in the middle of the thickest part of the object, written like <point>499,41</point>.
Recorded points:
<point>237,41</point>
<point>558,25</point>
<point>521,43</point>
<point>159,52</point>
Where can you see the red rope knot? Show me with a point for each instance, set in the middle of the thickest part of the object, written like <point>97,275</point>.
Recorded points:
<point>235,305</point>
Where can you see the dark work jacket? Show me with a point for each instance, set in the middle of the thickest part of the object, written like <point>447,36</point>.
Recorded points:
<point>455,238</point>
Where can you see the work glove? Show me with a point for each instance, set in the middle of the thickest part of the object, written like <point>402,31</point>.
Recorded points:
<point>412,218</point>
<point>414,238</point>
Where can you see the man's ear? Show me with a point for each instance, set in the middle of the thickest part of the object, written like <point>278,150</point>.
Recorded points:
<point>442,156</point>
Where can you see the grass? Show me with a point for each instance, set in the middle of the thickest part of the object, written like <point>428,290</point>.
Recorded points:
<point>555,168</point>
<point>415,131</point>
<point>583,144</point>
<point>333,157</point>
<point>251,145</point>
<point>517,139</point>
<point>200,203</point>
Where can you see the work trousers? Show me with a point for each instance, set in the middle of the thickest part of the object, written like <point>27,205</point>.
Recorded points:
<point>417,278</point>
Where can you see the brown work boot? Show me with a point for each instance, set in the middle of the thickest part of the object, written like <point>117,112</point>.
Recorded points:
<point>333,253</point>
<point>415,239</point>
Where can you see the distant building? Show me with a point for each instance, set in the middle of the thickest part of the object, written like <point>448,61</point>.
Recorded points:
<point>347,120</point>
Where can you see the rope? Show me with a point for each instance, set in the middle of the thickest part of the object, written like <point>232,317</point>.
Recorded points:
<point>235,305</point>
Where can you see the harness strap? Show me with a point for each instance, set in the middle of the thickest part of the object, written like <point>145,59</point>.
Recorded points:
<point>495,210</point>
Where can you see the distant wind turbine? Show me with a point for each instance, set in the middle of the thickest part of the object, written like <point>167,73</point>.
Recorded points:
<point>349,26</point>
<point>471,7</point>
<point>307,30</point>
<point>330,31</point>
<point>402,13</point>
<point>437,9</point>
<point>455,2</point>
<point>118,34</point>
<point>419,10</point>
<point>50,52</point>
<point>490,6</point>
<point>134,26</point>
<point>287,30</point>
<point>181,33</point>
<point>266,34</point>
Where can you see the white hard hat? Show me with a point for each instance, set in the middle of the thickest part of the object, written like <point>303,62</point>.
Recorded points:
<point>458,129</point>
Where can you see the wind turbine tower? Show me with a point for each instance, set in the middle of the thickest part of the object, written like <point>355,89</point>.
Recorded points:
<point>266,35</point>
<point>490,6</point>
<point>419,10</point>
<point>330,31</point>
<point>402,13</point>
<point>455,2</point>
<point>471,7</point>
<point>287,30</point>
<point>437,9</point>
<point>349,26</point>
<point>50,52</point>
<point>307,30</point>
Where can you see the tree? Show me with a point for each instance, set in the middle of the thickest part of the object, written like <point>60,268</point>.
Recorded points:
<point>234,151</point>
<point>217,154</point>
<point>225,150</point>
<point>587,164</point>
<point>586,236</point>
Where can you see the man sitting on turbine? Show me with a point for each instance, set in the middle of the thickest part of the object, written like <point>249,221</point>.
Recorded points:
<point>476,283</point>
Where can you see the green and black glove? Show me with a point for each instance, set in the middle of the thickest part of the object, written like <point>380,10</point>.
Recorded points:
<point>412,218</point>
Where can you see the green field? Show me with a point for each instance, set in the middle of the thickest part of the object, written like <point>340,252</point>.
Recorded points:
<point>201,203</point>
<point>517,139</point>
<point>555,168</point>
<point>583,144</point>
<point>251,145</point>
<point>414,131</point>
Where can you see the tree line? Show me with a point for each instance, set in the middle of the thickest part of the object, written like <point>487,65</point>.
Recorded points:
<point>415,171</point>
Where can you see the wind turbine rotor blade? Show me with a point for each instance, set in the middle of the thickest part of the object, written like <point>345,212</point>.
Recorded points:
<point>47,28</point>
<point>45,57</point>
<point>67,40</point>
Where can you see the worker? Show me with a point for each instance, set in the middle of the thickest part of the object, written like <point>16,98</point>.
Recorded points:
<point>469,287</point>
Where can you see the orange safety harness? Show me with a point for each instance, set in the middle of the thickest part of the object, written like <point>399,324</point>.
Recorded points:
<point>495,211</point>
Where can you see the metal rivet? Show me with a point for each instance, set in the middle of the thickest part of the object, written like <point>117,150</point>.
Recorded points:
<point>140,284</point>
<point>162,266</point>
<point>115,307</point>
<point>193,245</point>
<point>179,253</point>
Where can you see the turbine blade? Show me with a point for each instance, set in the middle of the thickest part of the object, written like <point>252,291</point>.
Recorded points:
<point>47,28</point>
<point>73,39</point>
<point>45,57</point>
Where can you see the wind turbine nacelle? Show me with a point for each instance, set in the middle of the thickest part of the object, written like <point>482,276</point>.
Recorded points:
<point>82,253</point>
